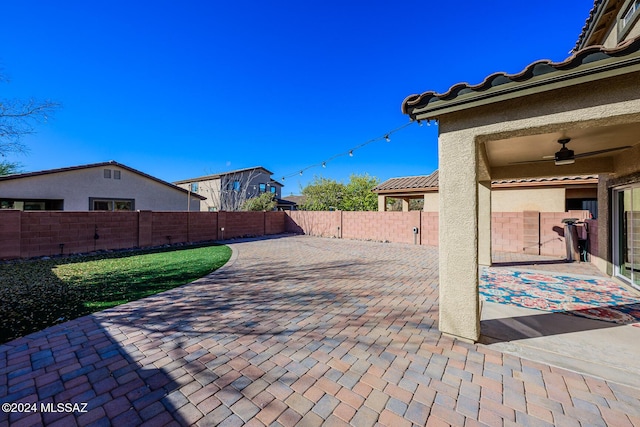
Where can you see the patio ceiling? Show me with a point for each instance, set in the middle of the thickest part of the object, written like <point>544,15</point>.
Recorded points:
<point>530,148</point>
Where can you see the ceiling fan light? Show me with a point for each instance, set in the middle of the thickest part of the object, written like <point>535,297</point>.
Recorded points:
<point>565,162</point>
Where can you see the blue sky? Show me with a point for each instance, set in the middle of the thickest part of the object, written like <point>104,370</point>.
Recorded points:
<point>183,89</point>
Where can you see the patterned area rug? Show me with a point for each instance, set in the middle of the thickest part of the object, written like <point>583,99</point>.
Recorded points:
<point>599,299</point>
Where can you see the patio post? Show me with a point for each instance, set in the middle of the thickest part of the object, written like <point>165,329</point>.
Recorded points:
<point>484,223</point>
<point>458,237</point>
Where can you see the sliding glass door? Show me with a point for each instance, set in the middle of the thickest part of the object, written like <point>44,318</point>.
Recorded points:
<point>627,232</point>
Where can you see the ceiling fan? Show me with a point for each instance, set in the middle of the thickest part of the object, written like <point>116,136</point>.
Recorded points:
<point>566,156</point>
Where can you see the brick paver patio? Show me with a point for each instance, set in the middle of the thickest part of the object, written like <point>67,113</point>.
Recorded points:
<point>295,331</point>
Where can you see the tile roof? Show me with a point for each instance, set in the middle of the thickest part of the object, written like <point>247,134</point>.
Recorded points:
<point>588,23</point>
<point>431,182</point>
<point>96,165</point>
<point>503,83</point>
<point>553,179</point>
<point>410,183</point>
<point>295,199</point>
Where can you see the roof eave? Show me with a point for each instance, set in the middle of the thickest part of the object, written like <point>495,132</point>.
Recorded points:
<point>610,67</point>
<point>405,190</point>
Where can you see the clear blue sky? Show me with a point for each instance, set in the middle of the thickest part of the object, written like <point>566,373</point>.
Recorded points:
<point>179,89</point>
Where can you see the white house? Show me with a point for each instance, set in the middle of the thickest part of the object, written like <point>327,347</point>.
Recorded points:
<point>106,186</point>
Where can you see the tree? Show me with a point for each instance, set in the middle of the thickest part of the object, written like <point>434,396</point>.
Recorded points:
<point>323,194</point>
<point>396,204</point>
<point>18,118</point>
<point>8,168</point>
<point>358,195</point>
<point>264,202</point>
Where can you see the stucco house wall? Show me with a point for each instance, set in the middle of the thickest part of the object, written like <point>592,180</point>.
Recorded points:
<point>533,199</point>
<point>431,202</point>
<point>214,186</point>
<point>77,186</point>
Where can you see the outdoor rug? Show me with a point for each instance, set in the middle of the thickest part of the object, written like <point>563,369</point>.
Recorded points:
<point>594,298</point>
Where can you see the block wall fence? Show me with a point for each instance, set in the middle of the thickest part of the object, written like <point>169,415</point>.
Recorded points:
<point>31,234</point>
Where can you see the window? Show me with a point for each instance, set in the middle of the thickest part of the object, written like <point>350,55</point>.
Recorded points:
<point>273,190</point>
<point>107,173</point>
<point>626,226</point>
<point>116,174</point>
<point>263,187</point>
<point>236,185</point>
<point>102,205</point>
<point>33,205</point>
<point>194,187</point>
<point>96,204</point>
<point>628,18</point>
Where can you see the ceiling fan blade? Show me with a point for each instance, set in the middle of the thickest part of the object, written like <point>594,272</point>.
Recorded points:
<point>593,153</point>
<point>533,161</point>
<point>549,157</point>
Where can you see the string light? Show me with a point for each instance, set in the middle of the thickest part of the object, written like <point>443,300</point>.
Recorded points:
<point>386,136</point>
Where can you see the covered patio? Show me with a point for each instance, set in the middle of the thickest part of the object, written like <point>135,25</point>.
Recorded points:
<point>509,126</point>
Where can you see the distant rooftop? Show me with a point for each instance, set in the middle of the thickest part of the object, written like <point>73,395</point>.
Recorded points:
<point>430,182</point>
<point>221,174</point>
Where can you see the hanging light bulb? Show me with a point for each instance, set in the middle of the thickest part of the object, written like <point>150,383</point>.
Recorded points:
<point>428,122</point>
<point>420,123</point>
<point>300,173</point>
<point>350,153</point>
<point>387,138</point>
<point>324,164</point>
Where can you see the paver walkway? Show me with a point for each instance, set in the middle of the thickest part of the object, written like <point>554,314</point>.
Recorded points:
<point>296,331</point>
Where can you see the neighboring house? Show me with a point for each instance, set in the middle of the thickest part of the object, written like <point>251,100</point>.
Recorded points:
<point>106,186</point>
<point>576,117</point>
<point>295,201</point>
<point>227,191</point>
<point>553,194</point>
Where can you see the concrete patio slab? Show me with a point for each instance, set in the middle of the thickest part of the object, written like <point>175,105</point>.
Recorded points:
<point>295,331</point>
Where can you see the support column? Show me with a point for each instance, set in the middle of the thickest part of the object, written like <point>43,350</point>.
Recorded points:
<point>458,235</point>
<point>603,259</point>
<point>484,223</point>
<point>382,203</point>
<point>405,205</point>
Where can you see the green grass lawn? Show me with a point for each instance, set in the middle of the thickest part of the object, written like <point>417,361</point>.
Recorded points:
<point>37,294</point>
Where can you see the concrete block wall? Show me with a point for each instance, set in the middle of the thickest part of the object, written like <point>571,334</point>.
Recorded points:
<point>529,232</point>
<point>552,233</point>
<point>312,223</point>
<point>507,231</point>
<point>429,228</point>
<point>31,234</point>
<point>381,226</point>
<point>169,228</point>
<point>52,233</point>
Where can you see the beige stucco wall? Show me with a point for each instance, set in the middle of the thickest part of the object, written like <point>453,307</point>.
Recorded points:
<point>431,202</point>
<point>587,106</point>
<point>515,200</point>
<point>77,186</point>
<point>531,199</point>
